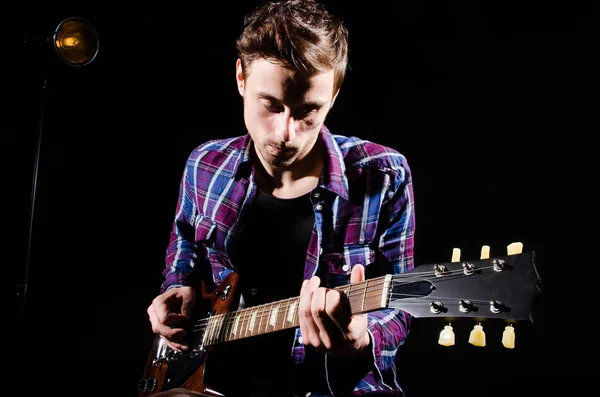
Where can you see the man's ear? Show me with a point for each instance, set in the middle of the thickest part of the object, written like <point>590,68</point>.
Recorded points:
<point>334,97</point>
<point>239,76</point>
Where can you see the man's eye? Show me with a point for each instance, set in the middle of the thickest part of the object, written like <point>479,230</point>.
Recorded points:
<point>304,112</point>
<point>274,108</point>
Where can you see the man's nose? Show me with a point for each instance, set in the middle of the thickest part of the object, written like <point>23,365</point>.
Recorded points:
<point>287,126</point>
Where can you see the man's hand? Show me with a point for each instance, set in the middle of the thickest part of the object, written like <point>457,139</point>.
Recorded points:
<point>325,319</point>
<point>170,312</point>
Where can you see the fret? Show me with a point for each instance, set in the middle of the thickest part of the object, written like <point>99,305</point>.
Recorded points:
<point>243,323</point>
<point>292,315</point>
<point>247,321</point>
<point>260,312</point>
<point>364,295</point>
<point>266,315</point>
<point>285,314</point>
<point>219,328</point>
<point>233,323</point>
<point>208,339</point>
<point>349,296</point>
<point>273,316</point>
<point>269,315</point>
<point>215,322</point>
<point>236,324</point>
<point>215,331</point>
<point>252,321</point>
<point>227,328</point>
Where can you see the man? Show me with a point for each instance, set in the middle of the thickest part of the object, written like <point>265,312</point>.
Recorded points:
<point>295,211</point>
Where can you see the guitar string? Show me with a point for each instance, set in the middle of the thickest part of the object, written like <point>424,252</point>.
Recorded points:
<point>356,288</point>
<point>252,314</point>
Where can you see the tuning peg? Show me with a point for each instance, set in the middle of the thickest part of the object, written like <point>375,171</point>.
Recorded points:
<point>508,337</point>
<point>485,252</point>
<point>446,336</point>
<point>455,255</point>
<point>514,248</point>
<point>477,336</point>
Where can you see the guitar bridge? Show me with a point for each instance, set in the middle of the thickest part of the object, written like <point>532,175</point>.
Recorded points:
<point>164,354</point>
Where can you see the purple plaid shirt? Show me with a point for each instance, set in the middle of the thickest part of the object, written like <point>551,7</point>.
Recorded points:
<point>364,213</point>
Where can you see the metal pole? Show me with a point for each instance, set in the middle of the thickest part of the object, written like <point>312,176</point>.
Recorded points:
<point>38,147</point>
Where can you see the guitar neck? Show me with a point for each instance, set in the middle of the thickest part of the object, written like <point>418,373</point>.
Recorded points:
<point>502,288</point>
<point>363,297</point>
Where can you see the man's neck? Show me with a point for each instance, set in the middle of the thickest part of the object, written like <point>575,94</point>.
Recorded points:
<point>291,182</point>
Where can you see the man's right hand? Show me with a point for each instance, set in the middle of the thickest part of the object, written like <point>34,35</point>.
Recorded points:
<point>169,314</point>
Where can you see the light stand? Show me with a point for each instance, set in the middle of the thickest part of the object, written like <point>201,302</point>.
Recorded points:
<point>76,43</point>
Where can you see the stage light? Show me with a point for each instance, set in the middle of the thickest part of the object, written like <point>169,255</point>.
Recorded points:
<point>76,41</point>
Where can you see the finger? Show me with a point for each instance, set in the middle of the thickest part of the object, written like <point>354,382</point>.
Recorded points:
<point>174,344</point>
<point>160,307</point>
<point>301,309</point>
<point>308,328</point>
<point>358,274</point>
<point>338,310</point>
<point>328,331</point>
<point>164,329</point>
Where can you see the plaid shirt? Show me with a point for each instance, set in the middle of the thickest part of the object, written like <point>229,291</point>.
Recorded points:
<point>364,213</point>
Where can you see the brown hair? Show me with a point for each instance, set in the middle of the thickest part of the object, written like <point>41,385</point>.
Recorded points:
<point>300,34</point>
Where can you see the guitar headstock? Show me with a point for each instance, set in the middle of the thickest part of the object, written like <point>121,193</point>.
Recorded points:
<point>490,287</point>
<point>501,287</point>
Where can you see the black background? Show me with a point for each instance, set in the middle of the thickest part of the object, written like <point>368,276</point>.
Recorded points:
<point>471,92</point>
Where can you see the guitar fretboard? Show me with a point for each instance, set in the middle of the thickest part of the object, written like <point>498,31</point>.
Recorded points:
<point>363,297</point>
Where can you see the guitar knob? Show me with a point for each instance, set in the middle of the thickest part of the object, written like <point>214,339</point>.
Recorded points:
<point>499,264</point>
<point>469,268</point>
<point>496,306</point>
<point>436,307</point>
<point>440,270</point>
<point>465,306</point>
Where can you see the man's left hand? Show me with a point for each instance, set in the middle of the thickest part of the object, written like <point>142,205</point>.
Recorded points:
<point>326,322</point>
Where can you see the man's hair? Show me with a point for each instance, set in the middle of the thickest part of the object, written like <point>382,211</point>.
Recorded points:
<point>299,34</point>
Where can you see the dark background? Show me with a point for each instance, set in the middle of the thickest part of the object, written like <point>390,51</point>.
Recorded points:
<point>474,94</point>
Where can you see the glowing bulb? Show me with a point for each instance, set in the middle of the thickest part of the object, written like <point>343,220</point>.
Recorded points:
<point>70,41</point>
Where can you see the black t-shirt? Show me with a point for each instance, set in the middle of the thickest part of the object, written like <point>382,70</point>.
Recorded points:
<point>270,257</point>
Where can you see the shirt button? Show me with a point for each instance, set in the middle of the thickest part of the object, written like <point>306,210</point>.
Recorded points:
<point>345,268</point>
<point>319,207</point>
<point>300,340</point>
<point>317,194</point>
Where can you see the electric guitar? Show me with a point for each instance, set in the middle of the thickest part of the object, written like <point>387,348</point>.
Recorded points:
<point>502,287</point>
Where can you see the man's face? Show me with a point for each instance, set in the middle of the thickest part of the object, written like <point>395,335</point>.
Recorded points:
<point>284,110</point>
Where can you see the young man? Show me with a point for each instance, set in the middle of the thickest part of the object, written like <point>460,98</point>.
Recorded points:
<point>294,211</point>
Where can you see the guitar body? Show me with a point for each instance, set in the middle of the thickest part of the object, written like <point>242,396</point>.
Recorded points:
<point>166,369</point>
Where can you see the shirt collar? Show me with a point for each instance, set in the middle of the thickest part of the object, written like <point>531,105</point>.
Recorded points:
<point>333,178</point>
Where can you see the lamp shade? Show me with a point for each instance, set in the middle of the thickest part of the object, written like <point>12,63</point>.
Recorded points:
<point>76,41</point>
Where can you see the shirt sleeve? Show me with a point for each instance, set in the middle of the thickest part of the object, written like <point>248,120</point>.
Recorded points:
<point>387,328</point>
<point>189,226</point>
